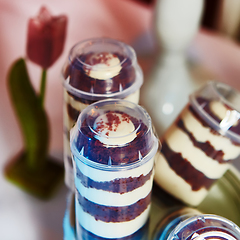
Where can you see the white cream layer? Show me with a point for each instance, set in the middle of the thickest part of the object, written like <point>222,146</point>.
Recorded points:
<point>109,66</point>
<point>102,176</point>
<point>174,184</point>
<point>68,99</point>
<point>179,142</point>
<point>111,229</point>
<point>79,106</point>
<point>203,134</point>
<point>133,97</point>
<point>115,132</point>
<point>107,198</point>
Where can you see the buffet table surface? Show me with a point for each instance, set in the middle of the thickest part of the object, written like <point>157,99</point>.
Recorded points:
<point>24,217</point>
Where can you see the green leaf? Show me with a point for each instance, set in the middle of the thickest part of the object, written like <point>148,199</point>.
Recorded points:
<point>31,115</point>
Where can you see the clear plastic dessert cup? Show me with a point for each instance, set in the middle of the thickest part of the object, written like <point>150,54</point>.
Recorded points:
<point>96,69</point>
<point>200,144</point>
<point>190,224</point>
<point>113,147</point>
<point>205,227</point>
<point>172,218</point>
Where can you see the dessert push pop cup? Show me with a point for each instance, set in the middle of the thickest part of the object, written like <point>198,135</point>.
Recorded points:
<point>198,147</point>
<point>97,69</point>
<point>189,224</point>
<point>171,220</point>
<point>113,148</point>
<point>206,227</point>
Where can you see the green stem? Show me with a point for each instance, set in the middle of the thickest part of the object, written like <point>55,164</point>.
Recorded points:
<point>43,87</point>
<point>31,115</point>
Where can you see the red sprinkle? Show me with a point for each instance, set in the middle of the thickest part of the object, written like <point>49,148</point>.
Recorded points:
<point>112,123</point>
<point>103,57</point>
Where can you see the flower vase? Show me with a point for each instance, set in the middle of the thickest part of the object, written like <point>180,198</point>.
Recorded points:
<point>167,87</point>
<point>33,170</point>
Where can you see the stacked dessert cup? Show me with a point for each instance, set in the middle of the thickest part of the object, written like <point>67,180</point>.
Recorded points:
<point>200,144</point>
<point>113,147</point>
<point>96,69</point>
<point>189,223</point>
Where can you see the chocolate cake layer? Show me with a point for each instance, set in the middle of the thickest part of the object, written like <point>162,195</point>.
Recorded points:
<point>114,214</point>
<point>119,155</point>
<point>72,112</point>
<point>122,185</point>
<point>80,80</point>
<point>206,147</point>
<point>185,170</point>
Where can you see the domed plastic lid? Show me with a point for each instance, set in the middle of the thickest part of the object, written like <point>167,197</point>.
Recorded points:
<point>102,68</point>
<point>206,227</point>
<point>219,106</point>
<point>115,134</point>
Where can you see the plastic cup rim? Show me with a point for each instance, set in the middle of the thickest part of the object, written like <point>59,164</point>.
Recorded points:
<point>96,96</point>
<point>213,123</point>
<point>115,167</point>
<point>107,40</point>
<point>100,96</point>
<point>229,223</point>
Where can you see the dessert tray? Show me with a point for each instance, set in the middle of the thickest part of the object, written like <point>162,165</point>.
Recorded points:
<point>223,199</point>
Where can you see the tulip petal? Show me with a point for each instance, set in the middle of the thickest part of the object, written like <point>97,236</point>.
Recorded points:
<point>46,38</point>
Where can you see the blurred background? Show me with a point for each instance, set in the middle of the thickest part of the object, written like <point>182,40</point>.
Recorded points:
<point>211,51</point>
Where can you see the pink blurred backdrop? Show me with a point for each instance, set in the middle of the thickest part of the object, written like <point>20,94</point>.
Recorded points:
<point>124,20</point>
<point>127,20</point>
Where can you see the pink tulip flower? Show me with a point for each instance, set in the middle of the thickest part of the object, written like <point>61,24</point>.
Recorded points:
<point>46,37</point>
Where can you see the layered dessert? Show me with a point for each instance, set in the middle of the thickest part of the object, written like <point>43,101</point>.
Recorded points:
<point>113,149</point>
<point>198,147</point>
<point>97,69</point>
<point>172,218</point>
<point>205,227</point>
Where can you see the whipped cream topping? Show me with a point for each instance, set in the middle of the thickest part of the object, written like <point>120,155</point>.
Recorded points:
<point>103,66</point>
<point>114,129</point>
